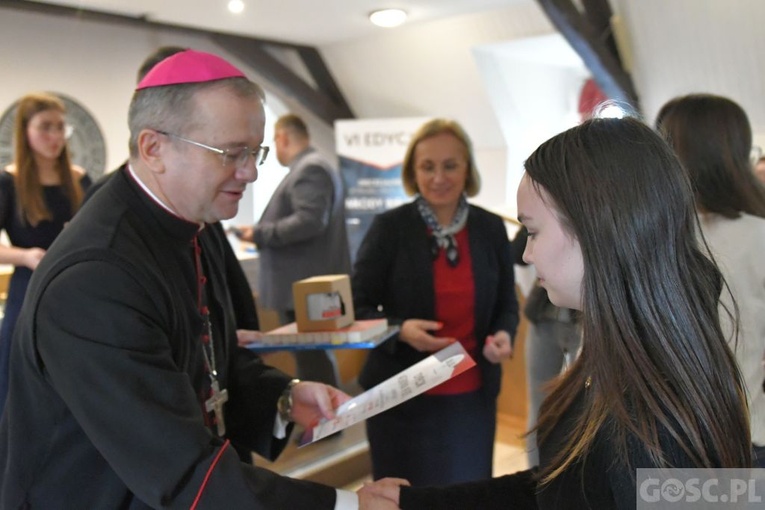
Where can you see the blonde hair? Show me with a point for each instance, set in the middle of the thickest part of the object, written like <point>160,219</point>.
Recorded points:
<point>432,128</point>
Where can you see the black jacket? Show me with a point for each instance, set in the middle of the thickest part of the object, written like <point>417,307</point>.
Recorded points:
<point>394,271</point>
<point>105,406</point>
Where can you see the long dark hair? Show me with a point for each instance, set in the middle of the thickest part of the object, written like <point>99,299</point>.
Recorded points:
<point>653,353</point>
<point>713,139</point>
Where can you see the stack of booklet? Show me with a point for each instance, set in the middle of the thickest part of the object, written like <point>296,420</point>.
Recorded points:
<point>362,334</point>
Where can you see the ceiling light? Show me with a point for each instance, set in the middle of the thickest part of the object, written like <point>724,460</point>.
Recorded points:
<point>612,111</point>
<point>236,6</point>
<point>388,17</point>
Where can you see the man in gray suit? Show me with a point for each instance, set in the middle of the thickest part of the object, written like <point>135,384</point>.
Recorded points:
<point>302,233</point>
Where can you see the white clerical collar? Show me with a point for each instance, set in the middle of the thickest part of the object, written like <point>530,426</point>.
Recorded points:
<point>155,197</point>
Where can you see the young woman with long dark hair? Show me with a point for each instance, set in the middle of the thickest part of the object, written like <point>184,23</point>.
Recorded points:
<point>613,233</point>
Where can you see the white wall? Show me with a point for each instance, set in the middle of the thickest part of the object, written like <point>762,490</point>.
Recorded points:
<point>430,70</point>
<point>494,72</point>
<point>95,64</point>
<point>687,46</point>
<point>534,85</point>
<point>452,67</point>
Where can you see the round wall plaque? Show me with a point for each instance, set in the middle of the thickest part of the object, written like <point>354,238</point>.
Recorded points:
<point>86,145</point>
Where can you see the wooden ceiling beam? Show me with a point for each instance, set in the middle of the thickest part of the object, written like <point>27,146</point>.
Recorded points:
<point>254,53</point>
<point>598,55</point>
<point>599,14</point>
<point>321,74</point>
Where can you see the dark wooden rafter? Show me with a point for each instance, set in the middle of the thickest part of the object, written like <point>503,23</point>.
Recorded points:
<point>314,62</point>
<point>325,100</point>
<point>598,13</point>
<point>589,33</point>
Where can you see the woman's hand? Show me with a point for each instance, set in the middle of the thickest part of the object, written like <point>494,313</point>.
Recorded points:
<point>388,488</point>
<point>32,257</point>
<point>498,347</point>
<point>369,501</point>
<point>416,332</point>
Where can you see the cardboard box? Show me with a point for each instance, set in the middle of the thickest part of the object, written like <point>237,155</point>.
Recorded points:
<point>323,303</point>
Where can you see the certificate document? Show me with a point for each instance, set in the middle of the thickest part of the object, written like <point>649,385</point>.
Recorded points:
<point>428,373</point>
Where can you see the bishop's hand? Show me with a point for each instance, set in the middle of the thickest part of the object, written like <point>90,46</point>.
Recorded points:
<point>312,401</point>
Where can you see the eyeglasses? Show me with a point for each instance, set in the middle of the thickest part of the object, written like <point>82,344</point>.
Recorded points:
<point>239,156</point>
<point>54,129</point>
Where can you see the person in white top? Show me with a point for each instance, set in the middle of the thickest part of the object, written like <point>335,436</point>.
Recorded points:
<point>759,169</point>
<point>713,138</point>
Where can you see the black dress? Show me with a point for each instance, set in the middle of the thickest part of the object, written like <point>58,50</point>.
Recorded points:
<point>24,235</point>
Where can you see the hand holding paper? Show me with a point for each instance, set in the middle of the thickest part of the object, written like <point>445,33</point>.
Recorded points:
<point>313,402</point>
<point>428,373</point>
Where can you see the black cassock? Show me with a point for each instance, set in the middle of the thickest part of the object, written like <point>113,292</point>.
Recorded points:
<point>108,380</point>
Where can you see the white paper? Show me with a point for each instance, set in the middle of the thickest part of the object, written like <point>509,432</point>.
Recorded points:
<point>419,378</point>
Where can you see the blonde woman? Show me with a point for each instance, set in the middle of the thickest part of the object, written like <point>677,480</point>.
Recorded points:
<point>442,269</point>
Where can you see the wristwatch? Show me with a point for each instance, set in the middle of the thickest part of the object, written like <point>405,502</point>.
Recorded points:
<point>284,404</point>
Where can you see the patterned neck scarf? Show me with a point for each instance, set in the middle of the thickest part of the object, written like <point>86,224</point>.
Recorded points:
<point>442,238</point>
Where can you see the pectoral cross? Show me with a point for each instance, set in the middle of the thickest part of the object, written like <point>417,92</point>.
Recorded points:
<point>215,403</point>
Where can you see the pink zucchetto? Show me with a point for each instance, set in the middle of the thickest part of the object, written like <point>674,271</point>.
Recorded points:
<point>189,66</point>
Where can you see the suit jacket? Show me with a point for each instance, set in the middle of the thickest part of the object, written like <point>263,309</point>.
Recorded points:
<point>394,271</point>
<point>302,232</point>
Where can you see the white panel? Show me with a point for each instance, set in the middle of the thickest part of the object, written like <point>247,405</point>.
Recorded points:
<point>429,70</point>
<point>534,86</point>
<point>686,46</point>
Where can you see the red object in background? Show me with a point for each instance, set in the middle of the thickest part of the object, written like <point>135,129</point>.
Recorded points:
<point>589,98</point>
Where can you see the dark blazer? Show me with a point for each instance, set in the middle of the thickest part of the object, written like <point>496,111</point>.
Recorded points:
<point>394,271</point>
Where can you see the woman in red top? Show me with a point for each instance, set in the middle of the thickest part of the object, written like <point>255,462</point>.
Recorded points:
<point>442,270</point>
